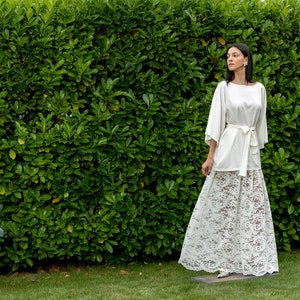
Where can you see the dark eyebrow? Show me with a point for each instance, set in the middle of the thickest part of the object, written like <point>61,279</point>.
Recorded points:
<point>232,53</point>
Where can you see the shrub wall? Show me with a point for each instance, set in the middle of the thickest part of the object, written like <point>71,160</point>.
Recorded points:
<point>103,107</point>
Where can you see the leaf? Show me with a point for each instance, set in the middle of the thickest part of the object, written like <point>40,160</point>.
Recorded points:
<point>21,141</point>
<point>108,247</point>
<point>12,154</point>
<point>70,228</point>
<point>2,190</point>
<point>221,41</point>
<point>55,200</point>
<point>282,226</point>
<point>45,197</point>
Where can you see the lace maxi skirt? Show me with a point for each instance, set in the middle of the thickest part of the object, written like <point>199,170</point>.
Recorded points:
<point>231,227</point>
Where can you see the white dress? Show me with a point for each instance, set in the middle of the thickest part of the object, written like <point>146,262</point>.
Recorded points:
<point>231,227</point>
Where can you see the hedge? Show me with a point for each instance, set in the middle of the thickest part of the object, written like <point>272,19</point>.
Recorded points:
<point>103,107</point>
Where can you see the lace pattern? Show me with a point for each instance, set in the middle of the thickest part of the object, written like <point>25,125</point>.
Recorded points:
<point>231,227</point>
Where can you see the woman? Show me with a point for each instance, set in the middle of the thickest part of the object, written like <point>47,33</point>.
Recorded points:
<point>231,228</point>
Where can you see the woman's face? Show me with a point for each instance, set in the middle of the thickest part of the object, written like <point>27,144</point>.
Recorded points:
<point>235,59</point>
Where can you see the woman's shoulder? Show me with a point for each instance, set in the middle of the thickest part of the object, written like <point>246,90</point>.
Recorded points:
<point>222,83</point>
<point>259,84</point>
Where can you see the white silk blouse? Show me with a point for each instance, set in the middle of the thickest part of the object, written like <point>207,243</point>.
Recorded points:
<point>237,122</point>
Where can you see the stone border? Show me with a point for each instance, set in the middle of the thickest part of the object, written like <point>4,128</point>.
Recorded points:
<point>209,279</point>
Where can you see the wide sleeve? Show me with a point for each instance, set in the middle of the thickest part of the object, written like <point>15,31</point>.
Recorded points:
<point>261,126</point>
<point>216,119</point>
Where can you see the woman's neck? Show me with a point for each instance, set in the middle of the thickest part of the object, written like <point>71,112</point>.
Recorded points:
<point>240,82</point>
<point>240,78</point>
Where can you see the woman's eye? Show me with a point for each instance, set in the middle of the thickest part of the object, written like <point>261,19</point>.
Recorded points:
<point>233,55</point>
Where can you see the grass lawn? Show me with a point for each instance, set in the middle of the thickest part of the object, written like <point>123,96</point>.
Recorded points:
<point>153,281</point>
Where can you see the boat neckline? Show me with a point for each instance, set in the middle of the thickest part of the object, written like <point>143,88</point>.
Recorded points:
<point>254,84</point>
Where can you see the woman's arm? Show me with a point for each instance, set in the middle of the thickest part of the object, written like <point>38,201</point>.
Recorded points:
<point>207,166</point>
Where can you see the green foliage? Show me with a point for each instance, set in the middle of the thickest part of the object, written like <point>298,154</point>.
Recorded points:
<point>103,107</point>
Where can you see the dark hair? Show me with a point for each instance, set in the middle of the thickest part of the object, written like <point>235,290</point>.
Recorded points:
<point>247,53</point>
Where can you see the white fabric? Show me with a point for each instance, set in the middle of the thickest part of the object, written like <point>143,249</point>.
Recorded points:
<point>231,226</point>
<point>235,108</point>
<point>250,141</point>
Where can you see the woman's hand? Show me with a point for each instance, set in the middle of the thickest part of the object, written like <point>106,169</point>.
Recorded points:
<point>207,166</point>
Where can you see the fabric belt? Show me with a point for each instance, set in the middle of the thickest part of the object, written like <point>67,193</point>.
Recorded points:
<point>250,141</point>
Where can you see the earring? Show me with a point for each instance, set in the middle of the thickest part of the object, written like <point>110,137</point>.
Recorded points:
<point>245,64</point>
